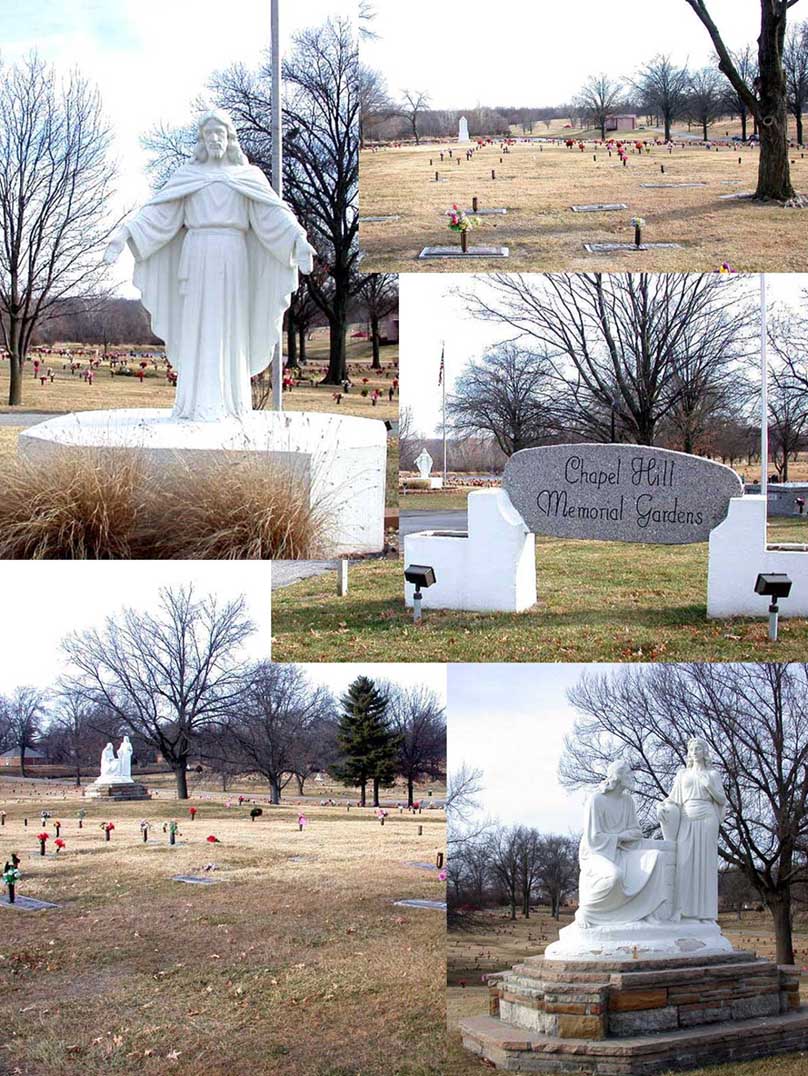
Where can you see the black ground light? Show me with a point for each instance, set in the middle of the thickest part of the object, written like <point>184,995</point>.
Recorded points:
<point>420,575</point>
<point>774,585</point>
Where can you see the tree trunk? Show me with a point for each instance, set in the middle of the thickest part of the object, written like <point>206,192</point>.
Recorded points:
<point>704,129</point>
<point>375,791</point>
<point>374,343</point>
<point>301,780</point>
<point>78,775</point>
<point>363,794</point>
<point>798,118</point>
<point>181,776</point>
<point>774,174</point>
<point>780,907</point>
<point>743,126</point>
<point>667,127</point>
<point>337,351</point>
<point>274,790</point>
<point>301,345</point>
<point>410,791</point>
<point>291,340</point>
<point>15,378</point>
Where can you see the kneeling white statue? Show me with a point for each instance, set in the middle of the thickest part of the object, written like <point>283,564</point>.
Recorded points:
<point>217,254</point>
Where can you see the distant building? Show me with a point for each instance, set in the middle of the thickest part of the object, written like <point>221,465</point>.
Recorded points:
<point>621,123</point>
<point>12,758</point>
<point>388,329</point>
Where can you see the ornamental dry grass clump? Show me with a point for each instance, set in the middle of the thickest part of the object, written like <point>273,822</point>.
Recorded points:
<point>246,510</point>
<point>71,508</point>
<point>115,506</point>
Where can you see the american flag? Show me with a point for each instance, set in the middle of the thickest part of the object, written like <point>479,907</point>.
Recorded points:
<point>442,370</point>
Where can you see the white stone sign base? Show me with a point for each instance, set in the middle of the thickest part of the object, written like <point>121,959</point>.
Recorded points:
<point>341,457</point>
<point>489,569</point>
<point>738,554</point>
<point>436,481</point>
<point>116,788</point>
<point>639,941</point>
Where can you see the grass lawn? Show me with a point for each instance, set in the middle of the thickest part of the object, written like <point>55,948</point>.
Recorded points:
<point>539,183</point>
<point>296,961</point>
<point>496,943</point>
<point>598,601</point>
<point>71,393</point>
<point>434,501</point>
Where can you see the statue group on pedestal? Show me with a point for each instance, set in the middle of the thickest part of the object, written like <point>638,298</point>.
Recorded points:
<point>624,878</point>
<point>117,768</point>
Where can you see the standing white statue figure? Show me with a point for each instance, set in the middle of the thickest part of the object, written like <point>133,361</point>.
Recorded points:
<point>424,463</point>
<point>125,759</point>
<point>692,815</point>
<point>620,881</point>
<point>217,255</point>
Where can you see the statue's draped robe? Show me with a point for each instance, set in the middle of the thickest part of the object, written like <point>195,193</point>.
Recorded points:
<point>217,254</point>
<point>701,801</point>
<point>616,885</point>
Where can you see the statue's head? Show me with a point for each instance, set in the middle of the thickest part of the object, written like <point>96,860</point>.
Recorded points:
<point>698,753</point>
<point>217,139</point>
<point>618,775</point>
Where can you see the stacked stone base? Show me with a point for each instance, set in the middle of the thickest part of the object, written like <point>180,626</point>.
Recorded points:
<point>640,1017</point>
<point>133,791</point>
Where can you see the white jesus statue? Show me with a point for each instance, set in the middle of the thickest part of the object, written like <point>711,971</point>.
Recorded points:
<point>217,255</point>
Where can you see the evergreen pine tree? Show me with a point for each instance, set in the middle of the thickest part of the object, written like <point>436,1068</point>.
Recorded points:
<point>369,746</point>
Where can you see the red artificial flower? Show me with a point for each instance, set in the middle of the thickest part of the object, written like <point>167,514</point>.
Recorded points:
<point>59,842</point>
<point>213,840</point>
<point>43,836</point>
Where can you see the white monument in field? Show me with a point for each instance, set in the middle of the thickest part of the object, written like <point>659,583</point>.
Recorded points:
<point>217,255</point>
<point>115,780</point>
<point>463,130</point>
<point>424,464</point>
<point>643,980</point>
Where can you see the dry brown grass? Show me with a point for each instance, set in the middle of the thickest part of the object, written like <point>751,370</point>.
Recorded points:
<point>295,962</point>
<point>496,943</point>
<point>538,186</point>
<point>109,506</point>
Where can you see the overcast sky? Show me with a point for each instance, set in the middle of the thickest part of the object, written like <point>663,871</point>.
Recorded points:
<point>337,677</point>
<point>150,59</point>
<point>510,722</point>
<point>432,312</point>
<point>518,53</point>
<point>45,600</point>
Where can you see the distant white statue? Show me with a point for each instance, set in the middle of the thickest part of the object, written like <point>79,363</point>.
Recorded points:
<point>117,768</point>
<point>692,815</point>
<point>620,880</point>
<point>217,255</point>
<point>463,130</point>
<point>424,463</point>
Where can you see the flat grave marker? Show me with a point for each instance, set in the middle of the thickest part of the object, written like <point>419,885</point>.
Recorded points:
<point>193,879</point>
<point>28,904</point>
<point>610,248</point>
<point>456,252</point>
<point>435,905</point>
<point>379,220</point>
<point>606,207</point>
<point>662,186</point>
<point>419,865</point>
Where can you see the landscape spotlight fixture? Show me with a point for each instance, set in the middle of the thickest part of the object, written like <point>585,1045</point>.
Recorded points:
<point>774,585</point>
<point>420,575</point>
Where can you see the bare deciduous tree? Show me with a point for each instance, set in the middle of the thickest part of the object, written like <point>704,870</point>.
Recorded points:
<point>25,711</point>
<point>165,675</point>
<point>414,103</point>
<point>663,89</point>
<point>380,298</point>
<point>706,98</point>
<point>55,186</point>
<point>795,65</point>
<point>766,97</point>
<point>598,99</point>
<point>419,719</point>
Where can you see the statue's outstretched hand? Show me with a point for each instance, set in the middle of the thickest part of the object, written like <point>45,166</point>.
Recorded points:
<point>115,246</point>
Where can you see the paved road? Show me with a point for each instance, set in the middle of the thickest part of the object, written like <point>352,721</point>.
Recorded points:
<point>25,418</point>
<point>287,572</point>
<point>454,519</point>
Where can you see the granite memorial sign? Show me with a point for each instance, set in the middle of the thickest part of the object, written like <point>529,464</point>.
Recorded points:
<point>627,493</point>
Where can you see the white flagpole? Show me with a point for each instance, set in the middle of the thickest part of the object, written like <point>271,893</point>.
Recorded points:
<point>764,396</point>
<point>443,382</point>
<point>277,173</point>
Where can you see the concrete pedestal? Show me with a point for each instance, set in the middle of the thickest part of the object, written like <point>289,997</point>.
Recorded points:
<point>341,458</point>
<point>489,568</point>
<point>117,790</point>
<point>738,553</point>
<point>638,1017</point>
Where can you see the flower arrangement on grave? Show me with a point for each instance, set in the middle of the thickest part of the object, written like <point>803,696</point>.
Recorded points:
<point>726,268</point>
<point>192,812</point>
<point>59,844</point>
<point>459,221</point>
<point>42,838</point>
<point>442,875</point>
<point>107,827</point>
<point>638,223</point>
<point>212,840</point>
<point>255,812</point>
<point>301,822</point>
<point>11,875</point>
